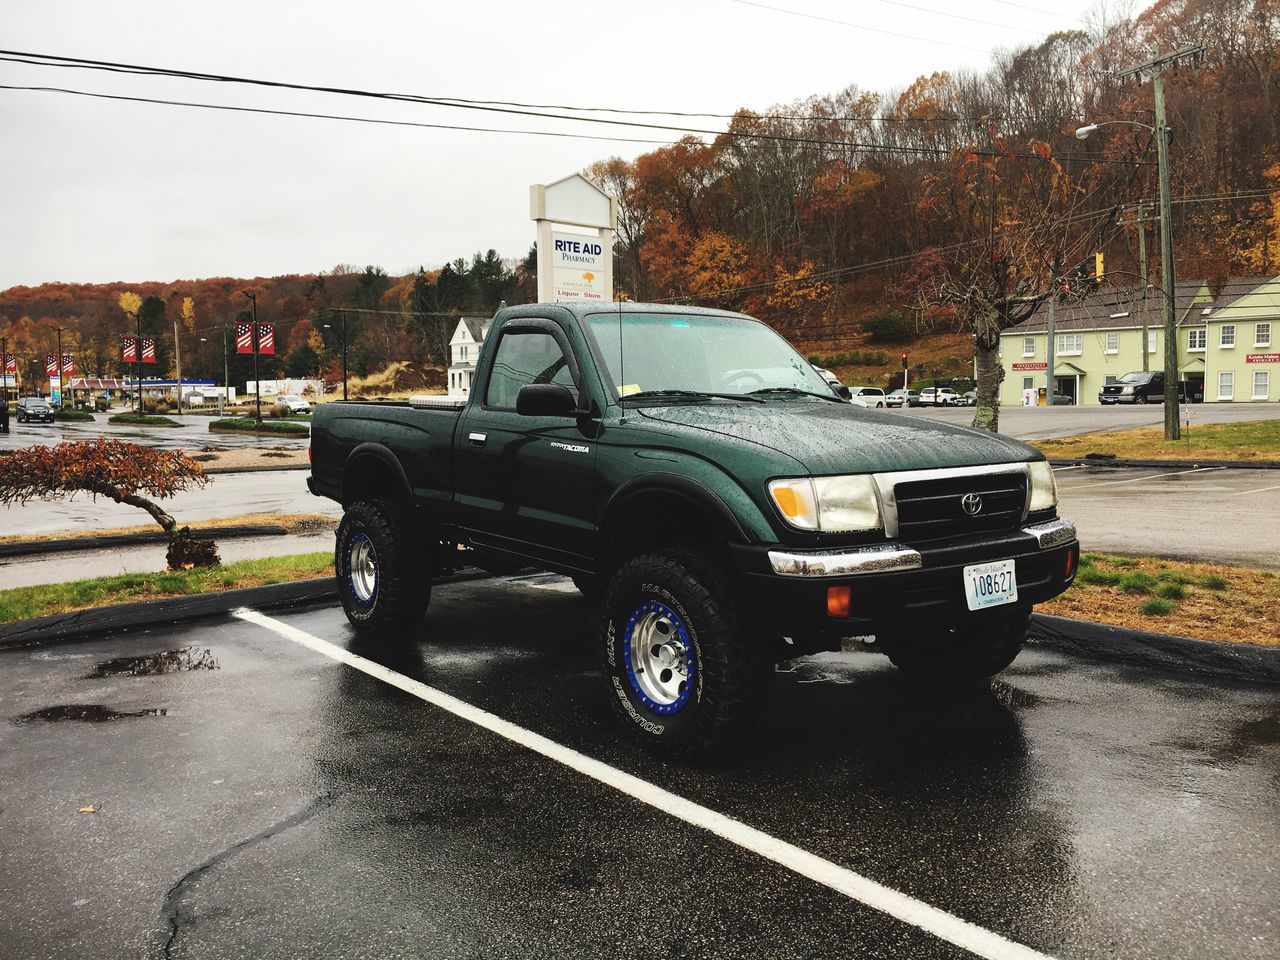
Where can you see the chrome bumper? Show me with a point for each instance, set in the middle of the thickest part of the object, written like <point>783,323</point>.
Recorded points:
<point>890,557</point>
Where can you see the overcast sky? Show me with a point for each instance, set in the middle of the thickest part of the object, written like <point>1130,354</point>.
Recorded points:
<point>98,190</point>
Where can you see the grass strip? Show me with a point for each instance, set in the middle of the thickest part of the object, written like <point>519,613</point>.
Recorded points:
<point>24,603</point>
<point>1253,440</point>
<point>142,420</point>
<point>250,425</point>
<point>74,416</point>
<point>1201,600</point>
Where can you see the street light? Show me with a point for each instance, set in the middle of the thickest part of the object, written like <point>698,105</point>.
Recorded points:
<point>1161,131</point>
<point>328,326</point>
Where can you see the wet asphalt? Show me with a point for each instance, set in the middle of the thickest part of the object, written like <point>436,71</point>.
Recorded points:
<point>193,433</point>
<point>253,798</point>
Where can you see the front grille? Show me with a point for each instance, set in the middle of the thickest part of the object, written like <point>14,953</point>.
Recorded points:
<point>933,509</point>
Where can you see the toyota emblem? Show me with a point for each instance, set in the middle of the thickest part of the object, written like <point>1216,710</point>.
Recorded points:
<point>972,504</point>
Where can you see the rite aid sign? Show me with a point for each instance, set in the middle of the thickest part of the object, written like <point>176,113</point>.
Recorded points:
<point>578,265</point>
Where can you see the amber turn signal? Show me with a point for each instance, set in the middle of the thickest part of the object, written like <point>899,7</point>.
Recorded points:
<point>839,600</point>
<point>1069,572</point>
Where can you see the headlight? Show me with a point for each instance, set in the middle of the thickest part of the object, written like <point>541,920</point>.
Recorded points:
<point>1044,488</point>
<point>830,504</point>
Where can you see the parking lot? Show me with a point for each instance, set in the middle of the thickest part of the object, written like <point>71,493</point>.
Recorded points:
<point>191,434</point>
<point>252,796</point>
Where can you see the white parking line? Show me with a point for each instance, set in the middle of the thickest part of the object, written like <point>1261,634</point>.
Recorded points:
<point>1241,493</point>
<point>1150,476</point>
<point>945,926</point>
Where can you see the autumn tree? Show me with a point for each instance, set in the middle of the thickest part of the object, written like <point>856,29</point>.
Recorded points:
<point>123,472</point>
<point>1008,215</point>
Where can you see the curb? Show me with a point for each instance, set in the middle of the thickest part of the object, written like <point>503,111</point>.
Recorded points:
<point>1182,655</point>
<point>1171,464</point>
<point>214,428</point>
<point>261,468</point>
<point>145,613</point>
<point>72,544</point>
<point>124,617</point>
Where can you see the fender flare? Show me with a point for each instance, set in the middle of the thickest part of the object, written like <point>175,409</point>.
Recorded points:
<point>368,451</point>
<point>692,491</point>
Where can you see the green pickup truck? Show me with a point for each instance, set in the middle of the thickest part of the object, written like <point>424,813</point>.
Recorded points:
<point>688,469</point>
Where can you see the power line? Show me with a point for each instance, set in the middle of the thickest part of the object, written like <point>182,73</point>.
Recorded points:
<point>1047,13</point>
<point>577,108</point>
<point>411,98</point>
<point>958,16</point>
<point>855,26</point>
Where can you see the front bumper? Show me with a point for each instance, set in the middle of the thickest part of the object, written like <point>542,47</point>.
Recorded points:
<point>893,583</point>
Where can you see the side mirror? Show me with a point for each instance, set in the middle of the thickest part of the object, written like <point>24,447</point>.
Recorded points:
<point>546,400</point>
<point>843,391</point>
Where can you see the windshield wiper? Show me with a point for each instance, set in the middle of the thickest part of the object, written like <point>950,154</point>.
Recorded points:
<point>695,394</point>
<point>806,393</point>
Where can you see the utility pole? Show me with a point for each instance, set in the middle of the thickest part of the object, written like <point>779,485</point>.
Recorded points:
<point>253,341</point>
<point>57,365</point>
<point>177,359</point>
<point>4,365</point>
<point>1141,209</point>
<point>344,354</point>
<point>137,354</point>
<point>226,380</point>
<point>1156,67</point>
<point>1055,267</point>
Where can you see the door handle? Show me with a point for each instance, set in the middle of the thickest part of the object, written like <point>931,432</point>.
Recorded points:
<point>477,439</point>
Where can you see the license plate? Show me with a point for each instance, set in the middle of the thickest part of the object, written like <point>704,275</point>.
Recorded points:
<point>990,584</point>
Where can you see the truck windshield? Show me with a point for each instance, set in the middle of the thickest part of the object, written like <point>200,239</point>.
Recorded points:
<point>663,351</point>
<point>1136,378</point>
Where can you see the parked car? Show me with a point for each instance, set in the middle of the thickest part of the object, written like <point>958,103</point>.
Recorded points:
<point>902,398</point>
<point>726,511</point>
<point>939,397</point>
<point>35,409</point>
<point>834,383</point>
<point>870,396</point>
<point>291,404</point>
<point>1063,400</point>
<point>1140,386</point>
<point>968,399</point>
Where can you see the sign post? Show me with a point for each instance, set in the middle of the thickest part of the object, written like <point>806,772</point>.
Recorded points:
<point>574,267</point>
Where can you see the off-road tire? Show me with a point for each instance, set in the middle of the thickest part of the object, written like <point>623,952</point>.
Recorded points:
<point>402,575</point>
<point>979,647</point>
<point>731,677</point>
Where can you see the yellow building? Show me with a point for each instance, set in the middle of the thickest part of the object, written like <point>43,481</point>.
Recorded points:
<point>1098,339</point>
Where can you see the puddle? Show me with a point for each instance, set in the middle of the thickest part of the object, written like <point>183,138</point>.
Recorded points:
<point>87,713</point>
<point>154,664</point>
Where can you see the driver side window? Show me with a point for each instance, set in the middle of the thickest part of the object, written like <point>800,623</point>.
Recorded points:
<point>524,358</point>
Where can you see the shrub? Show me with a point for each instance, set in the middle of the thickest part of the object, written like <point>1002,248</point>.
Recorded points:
<point>889,327</point>
<point>1171,591</point>
<point>1157,608</point>
<point>1137,583</point>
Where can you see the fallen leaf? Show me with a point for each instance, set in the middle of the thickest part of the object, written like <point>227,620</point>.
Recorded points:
<point>89,809</point>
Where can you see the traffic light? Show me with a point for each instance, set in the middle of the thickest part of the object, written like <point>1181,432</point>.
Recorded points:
<point>904,361</point>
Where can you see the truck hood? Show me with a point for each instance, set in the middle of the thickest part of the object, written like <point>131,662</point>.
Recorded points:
<point>828,438</point>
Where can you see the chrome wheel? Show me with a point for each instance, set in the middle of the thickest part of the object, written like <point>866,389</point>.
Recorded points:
<point>660,659</point>
<point>362,569</point>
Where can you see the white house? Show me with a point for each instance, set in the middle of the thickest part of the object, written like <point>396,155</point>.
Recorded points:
<point>464,349</point>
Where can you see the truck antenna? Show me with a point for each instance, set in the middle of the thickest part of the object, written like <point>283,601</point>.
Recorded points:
<point>622,370</point>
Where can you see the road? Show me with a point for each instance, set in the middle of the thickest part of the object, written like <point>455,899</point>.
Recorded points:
<point>193,434</point>
<point>267,802</point>
<point>1208,514</point>
<point>1045,423</point>
<point>227,495</point>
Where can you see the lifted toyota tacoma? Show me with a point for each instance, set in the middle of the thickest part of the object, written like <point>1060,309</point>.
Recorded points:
<point>691,471</point>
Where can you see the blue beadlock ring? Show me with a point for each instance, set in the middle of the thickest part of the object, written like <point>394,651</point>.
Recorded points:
<point>690,659</point>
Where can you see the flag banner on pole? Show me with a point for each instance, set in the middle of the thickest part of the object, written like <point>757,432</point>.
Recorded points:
<point>68,364</point>
<point>50,365</point>
<point>148,350</point>
<point>266,339</point>
<point>128,350</point>
<point>10,363</point>
<point>244,338</point>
